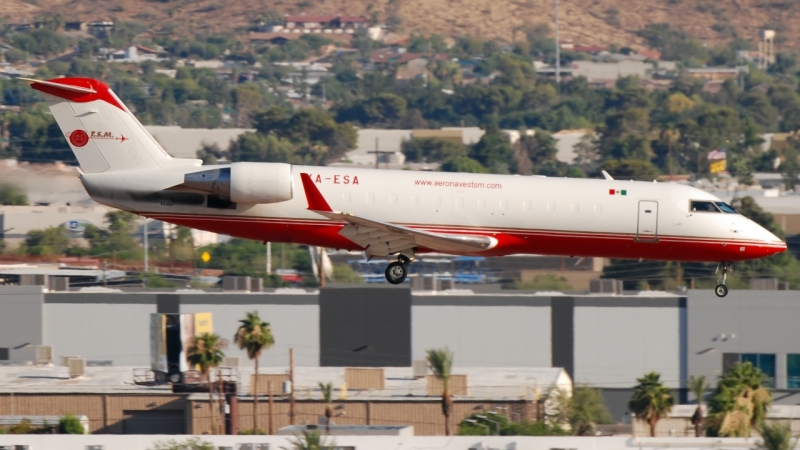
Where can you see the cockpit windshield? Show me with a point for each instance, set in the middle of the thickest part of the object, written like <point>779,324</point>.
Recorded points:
<point>715,207</point>
<point>726,208</point>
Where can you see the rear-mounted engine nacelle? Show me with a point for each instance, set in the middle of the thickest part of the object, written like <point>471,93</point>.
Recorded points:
<point>245,182</point>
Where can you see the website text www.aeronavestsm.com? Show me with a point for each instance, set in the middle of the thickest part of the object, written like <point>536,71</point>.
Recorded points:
<point>458,184</point>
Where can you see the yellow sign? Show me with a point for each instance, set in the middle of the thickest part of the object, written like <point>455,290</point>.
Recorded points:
<point>206,257</point>
<point>202,323</point>
<point>718,166</point>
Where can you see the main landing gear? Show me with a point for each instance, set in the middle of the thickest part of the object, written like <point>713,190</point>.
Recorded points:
<point>721,290</point>
<point>397,271</point>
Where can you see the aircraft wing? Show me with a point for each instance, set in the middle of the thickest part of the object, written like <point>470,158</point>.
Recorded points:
<point>382,239</point>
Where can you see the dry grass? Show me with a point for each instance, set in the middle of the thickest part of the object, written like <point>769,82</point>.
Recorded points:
<point>584,21</point>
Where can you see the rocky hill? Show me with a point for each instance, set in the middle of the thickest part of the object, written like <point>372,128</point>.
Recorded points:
<point>598,22</point>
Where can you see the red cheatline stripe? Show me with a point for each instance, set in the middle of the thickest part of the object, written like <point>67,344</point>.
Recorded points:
<point>469,230</point>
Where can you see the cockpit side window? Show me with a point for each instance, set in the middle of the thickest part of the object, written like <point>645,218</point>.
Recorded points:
<point>726,208</point>
<point>700,206</point>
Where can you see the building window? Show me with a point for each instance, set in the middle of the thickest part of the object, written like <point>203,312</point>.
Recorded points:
<point>793,371</point>
<point>765,362</point>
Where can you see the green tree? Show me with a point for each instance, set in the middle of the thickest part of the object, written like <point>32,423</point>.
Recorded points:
<point>546,282</point>
<point>477,426</point>
<point>463,164</point>
<point>626,135</point>
<point>583,410</point>
<point>493,151</point>
<point>70,424</point>
<point>51,241</point>
<point>327,396</point>
<point>432,150</point>
<point>12,195</point>
<point>254,336</point>
<point>440,362</point>
<point>630,169</point>
<point>652,401</point>
<point>698,386</point>
<point>776,436</point>
<point>309,440</point>
<point>739,402</point>
<point>790,166</point>
<point>205,352</point>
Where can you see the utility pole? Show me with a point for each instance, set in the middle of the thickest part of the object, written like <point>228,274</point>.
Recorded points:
<point>321,267</point>
<point>377,154</point>
<point>558,50</point>
<point>144,232</point>
<point>269,258</point>
<point>271,415</point>
<point>291,387</point>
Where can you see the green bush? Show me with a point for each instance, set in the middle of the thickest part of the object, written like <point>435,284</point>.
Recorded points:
<point>70,424</point>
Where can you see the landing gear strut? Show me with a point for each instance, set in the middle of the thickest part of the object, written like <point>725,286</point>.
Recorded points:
<point>721,290</point>
<point>397,271</point>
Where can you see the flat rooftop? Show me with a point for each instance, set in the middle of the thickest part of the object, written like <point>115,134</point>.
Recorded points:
<point>399,384</point>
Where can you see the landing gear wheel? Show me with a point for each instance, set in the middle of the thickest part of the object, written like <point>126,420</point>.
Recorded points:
<point>723,269</point>
<point>396,273</point>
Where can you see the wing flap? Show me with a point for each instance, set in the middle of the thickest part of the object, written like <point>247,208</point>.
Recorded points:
<point>382,239</point>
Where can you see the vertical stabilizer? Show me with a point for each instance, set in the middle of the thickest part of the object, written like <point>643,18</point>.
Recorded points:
<point>102,132</point>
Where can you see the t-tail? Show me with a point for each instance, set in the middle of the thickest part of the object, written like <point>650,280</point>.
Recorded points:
<point>102,132</point>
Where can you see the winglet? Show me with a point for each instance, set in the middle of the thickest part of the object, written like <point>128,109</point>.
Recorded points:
<point>316,202</point>
<point>606,175</point>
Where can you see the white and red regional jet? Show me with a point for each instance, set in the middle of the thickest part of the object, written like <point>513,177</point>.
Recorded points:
<point>402,213</point>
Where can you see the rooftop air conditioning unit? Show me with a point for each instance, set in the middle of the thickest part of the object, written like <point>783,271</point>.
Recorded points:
<point>420,367</point>
<point>77,367</point>
<point>65,360</point>
<point>230,361</point>
<point>44,354</point>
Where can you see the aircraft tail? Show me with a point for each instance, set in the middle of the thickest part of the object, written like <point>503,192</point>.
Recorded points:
<point>102,132</point>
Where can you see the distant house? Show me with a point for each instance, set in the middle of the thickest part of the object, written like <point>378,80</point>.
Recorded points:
<point>273,38</point>
<point>717,73</point>
<point>76,26</point>
<point>311,22</point>
<point>309,73</point>
<point>137,54</point>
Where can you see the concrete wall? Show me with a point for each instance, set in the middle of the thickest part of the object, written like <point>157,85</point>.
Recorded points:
<point>483,331</point>
<point>752,322</point>
<point>20,321</point>
<point>617,342</point>
<point>294,320</point>
<point>142,442</point>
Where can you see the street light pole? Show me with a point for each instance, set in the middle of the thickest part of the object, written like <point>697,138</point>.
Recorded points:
<point>475,422</point>
<point>496,423</point>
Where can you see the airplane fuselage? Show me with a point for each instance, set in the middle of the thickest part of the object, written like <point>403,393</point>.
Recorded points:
<point>525,214</point>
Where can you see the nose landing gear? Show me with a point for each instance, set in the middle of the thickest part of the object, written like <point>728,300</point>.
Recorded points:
<point>397,271</point>
<point>721,290</point>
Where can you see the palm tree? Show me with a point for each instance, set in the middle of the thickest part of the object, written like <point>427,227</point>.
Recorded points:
<point>327,394</point>
<point>698,387</point>
<point>254,336</point>
<point>441,363</point>
<point>205,352</point>
<point>739,402</point>
<point>652,401</point>
<point>309,440</point>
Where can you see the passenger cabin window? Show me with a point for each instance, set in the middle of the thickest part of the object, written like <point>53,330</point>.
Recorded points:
<point>715,207</point>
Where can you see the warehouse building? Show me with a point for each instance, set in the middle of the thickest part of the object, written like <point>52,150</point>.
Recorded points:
<point>600,339</point>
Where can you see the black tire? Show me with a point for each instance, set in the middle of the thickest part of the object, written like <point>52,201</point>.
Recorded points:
<point>721,290</point>
<point>396,273</point>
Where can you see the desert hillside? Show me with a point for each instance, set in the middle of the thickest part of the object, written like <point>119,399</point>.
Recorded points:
<point>599,22</point>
